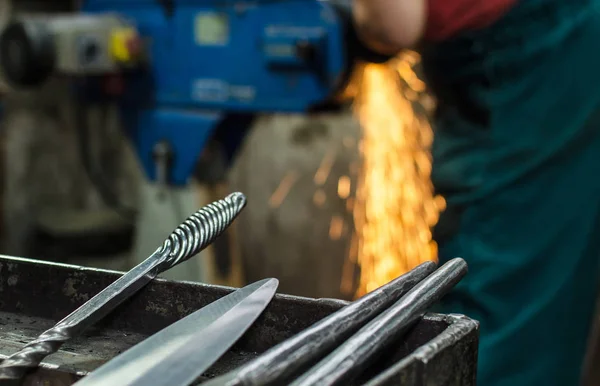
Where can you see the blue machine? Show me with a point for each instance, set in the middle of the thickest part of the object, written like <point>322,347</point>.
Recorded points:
<point>209,65</point>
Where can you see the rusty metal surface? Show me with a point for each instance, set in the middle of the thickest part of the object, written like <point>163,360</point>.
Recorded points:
<point>34,295</point>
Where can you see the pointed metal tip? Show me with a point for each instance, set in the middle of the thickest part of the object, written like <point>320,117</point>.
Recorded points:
<point>269,282</point>
<point>238,199</point>
<point>457,263</point>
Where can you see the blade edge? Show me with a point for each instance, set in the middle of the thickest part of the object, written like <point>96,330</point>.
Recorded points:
<point>153,350</point>
<point>183,368</point>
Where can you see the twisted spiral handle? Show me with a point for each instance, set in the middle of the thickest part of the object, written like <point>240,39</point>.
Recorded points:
<point>201,229</point>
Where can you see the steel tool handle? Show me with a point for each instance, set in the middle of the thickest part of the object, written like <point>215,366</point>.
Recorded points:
<point>200,230</point>
<point>195,234</point>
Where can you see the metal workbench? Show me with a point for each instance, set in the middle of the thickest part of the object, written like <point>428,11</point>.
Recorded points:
<point>441,350</point>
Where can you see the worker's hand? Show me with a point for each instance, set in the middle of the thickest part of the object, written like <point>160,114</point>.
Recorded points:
<point>389,26</point>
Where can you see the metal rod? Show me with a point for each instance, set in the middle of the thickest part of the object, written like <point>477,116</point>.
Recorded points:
<point>352,357</point>
<point>193,235</point>
<point>283,361</point>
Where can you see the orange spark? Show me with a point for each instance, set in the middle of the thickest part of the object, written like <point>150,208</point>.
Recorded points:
<point>284,188</point>
<point>336,228</point>
<point>395,206</point>
<point>325,168</point>
<point>319,198</point>
<point>344,186</point>
<point>350,204</point>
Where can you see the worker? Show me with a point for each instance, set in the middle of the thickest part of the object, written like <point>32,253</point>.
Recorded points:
<point>517,156</point>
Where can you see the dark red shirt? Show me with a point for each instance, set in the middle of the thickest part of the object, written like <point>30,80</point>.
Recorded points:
<point>449,17</point>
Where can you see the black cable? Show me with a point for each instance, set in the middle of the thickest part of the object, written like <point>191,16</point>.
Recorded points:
<point>93,171</point>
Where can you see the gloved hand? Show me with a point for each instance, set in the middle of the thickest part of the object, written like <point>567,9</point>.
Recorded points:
<point>357,49</point>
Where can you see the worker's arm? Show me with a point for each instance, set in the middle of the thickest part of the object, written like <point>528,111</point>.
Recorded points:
<point>389,26</point>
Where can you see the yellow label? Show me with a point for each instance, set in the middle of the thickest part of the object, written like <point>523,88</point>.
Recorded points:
<point>119,48</point>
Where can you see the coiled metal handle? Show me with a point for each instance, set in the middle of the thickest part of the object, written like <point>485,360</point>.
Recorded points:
<point>201,229</point>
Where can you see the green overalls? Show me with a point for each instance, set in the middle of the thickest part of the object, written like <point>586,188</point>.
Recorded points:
<point>517,156</point>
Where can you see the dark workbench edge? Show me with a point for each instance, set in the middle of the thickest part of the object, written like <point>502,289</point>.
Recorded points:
<point>459,328</point>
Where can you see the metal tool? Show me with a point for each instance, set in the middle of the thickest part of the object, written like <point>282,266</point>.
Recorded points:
<point>193,235</point>
<point>352,357</point>
<point>284,360</point>
<point>180,353</point>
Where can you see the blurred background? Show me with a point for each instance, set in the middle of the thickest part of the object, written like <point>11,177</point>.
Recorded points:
<point>340,200</point>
